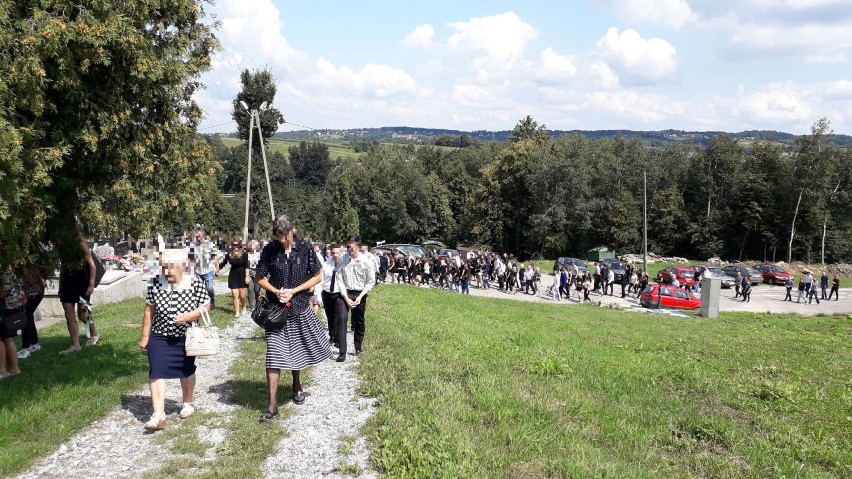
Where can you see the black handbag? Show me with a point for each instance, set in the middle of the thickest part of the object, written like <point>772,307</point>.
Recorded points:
<point>270,315</point>
<point>14,321</point>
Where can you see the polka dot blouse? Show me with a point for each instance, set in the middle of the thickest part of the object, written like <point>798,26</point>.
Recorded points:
<point>170,300</point>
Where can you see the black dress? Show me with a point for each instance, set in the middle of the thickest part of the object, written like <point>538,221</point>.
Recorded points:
<point>303,341</point>
<point>237,275</point>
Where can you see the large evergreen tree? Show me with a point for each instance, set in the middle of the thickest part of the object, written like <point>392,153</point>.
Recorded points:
<point>97,126</point>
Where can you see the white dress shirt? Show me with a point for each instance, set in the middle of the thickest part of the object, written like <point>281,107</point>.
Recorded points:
<point>357,274</point>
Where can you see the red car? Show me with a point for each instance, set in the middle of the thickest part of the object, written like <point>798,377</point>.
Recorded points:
<point>684,274</point>
<point>667,296</point>
<point>773,274</point>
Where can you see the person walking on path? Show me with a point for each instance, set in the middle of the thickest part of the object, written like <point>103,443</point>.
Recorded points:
<point>174,299</point>
<point>76,283</point>
<point>253,288</point>
<point>746,290</point>
<point>331,302</point>
<point>788,283</point>
<point>823,284</point>
<point>835,289</point>
<point>238,276</point>
<point>205,260</point>
<point>737,285</point>
<point>287,270</point>
<point>33,280</point>
<point>801,291</point>
<point>813,293</point>
<point>358,274</point>
<point>809,279</point>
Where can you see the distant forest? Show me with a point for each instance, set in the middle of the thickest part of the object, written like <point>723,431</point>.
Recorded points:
<point>660,138</point>
<point>537,193</point>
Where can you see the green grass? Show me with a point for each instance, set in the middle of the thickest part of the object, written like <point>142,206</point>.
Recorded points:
<point>282,146</point>
<point>54,397</point>
<point>479,387</point>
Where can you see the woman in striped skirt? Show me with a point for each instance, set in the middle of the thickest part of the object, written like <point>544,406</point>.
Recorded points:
<point>287,270</point>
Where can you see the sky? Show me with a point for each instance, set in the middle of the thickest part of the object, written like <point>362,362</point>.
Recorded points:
<point>727,65</point>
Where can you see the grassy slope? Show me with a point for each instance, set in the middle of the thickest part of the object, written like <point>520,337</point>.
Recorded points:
<point>282,146</point>
<point>474,387</point>
<point>54,397</point>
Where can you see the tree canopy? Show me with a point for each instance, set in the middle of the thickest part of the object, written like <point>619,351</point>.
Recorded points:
<point>98,124</point>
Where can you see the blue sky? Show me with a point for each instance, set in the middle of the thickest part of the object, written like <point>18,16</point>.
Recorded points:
<point>597,64</point>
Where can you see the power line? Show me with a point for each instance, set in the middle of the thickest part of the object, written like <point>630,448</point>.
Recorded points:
<point>296,124</point>
<point>215,126</point>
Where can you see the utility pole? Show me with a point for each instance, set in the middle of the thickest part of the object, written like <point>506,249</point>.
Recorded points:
<point>254,121</point>
<point>645,229</point>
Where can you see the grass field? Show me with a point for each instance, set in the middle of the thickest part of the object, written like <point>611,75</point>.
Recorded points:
<point>282,146</point>
<point>54,397</point>
<point>475,387</point>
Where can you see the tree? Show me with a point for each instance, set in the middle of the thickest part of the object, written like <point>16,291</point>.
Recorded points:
<point>257,87</point>
<point>97,129</point>
<point>311,162</point>
<point>808,162</point>
<point>342,217</point>
<point>529,129</point>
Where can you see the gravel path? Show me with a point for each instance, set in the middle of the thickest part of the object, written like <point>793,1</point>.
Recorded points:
<point>324,433</point>
<point>116,446</point>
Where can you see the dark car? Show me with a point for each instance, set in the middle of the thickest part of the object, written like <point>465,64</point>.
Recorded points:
<point>716,272</point>
<point>773,274</point>
<point>754,276</point>
<point>432,247</point>
<point>617,267</point>
<point>667,296</point>
<point>408,249</point>
<point>569,263</point>
<point>448,253</point>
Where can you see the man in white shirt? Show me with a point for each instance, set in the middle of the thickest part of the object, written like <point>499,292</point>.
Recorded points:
<point>365,250</point>
<point>359,275</point>
<point>332,303</point>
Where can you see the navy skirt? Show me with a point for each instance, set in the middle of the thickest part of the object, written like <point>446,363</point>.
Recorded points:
<point>167,358</point>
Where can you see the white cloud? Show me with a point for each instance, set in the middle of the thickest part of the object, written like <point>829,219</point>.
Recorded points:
<point>674,13</point>
<point>421,36</point>
<point>556,67</point>
<point>606,78</point>
<point>500,40</point>
<point>635,59</point>
<point>379,81</point>
<point>629,104</point>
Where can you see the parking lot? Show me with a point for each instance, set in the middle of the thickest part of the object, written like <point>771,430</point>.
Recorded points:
<point>764,299</point>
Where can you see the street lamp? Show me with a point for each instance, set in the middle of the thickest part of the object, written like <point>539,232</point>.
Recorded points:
<point>254,121</point>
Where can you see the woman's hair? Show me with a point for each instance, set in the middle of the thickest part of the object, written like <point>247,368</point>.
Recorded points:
<point>173,256</point>
<point>282,225</point>
<point>237,244</point>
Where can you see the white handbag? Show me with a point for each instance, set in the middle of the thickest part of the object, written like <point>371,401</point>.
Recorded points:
<point>202,339</point>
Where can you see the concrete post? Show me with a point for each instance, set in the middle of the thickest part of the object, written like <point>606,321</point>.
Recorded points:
<point>711,291</point>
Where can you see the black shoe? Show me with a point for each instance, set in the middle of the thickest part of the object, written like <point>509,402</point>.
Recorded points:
<point>300,397</point>
<point>341,357</point>
<point>268,415</point>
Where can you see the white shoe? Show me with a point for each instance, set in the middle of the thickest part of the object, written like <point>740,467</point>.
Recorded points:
<point>156,423</point>
<point>35,347</point>
<point>24,353</point>
<point>93,340</point>
<point>187,410</point>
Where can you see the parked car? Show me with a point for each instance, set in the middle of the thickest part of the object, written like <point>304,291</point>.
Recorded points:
<point>570,262</point>
<point>617,267</point>
<point>685,275</point>
<point>667,296</point>
<point>408,249</point>
<point>432,247</point>
<point>448,253</point>
<point>773,274</point>
<point>754,276</point>
<point>715,271</point>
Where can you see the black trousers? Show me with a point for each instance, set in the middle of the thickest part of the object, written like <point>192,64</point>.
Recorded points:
<point>789,296</point>
<point>358,322</point>
<point>332,314</point>
<point>29,335</point>
<point>834,292</point>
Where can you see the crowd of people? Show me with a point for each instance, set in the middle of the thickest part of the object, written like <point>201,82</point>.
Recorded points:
<point>302,278</point>
<point>491,270</point>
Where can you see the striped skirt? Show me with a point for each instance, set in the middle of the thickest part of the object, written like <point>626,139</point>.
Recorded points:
<point>302,343</point>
